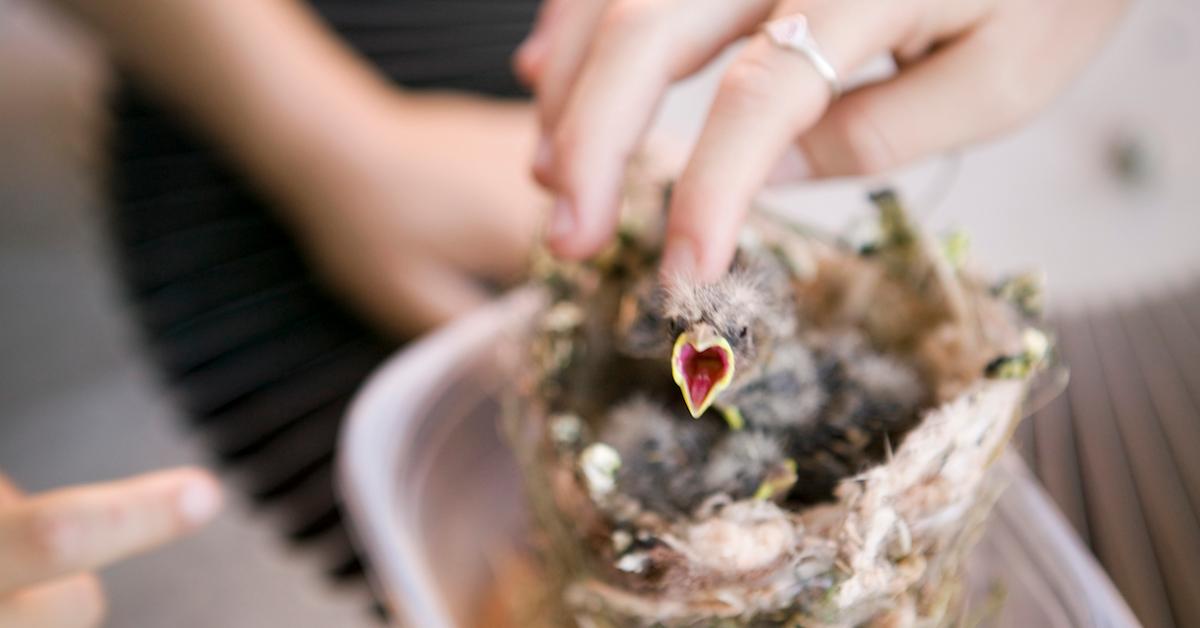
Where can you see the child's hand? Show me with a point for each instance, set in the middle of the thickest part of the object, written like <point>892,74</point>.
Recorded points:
<point>50,543</point>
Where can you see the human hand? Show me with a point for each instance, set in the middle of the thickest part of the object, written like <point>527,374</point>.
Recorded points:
<point>50,543</point>
<point>968,70</point>
<point>432,200</point>
<point>405,201</point>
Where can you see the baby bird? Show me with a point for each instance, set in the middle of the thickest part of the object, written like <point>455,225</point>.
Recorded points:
<point>749,463</point>
<point>872,399</point>
<point>733,344</point>
<point>785,393</point>
<point>807,407</point>
<point>662,454</point>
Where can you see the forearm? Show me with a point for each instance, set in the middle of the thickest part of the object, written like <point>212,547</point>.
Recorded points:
<point>263,78</point>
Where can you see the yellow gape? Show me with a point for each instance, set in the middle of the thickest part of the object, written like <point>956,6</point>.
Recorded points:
<point>702,368</point>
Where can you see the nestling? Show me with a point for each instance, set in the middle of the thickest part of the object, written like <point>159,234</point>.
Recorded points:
<point>733,345</point>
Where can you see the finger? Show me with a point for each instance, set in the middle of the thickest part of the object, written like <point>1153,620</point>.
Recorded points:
<point>969,91</point>
<point>945,22</point>
<point>82,528</point>
<point>768,95</point>
<point>73,602</point>
<point>530,56</point>
<point>920,112</point>
<point>566,43</point>
<point>641,48</point>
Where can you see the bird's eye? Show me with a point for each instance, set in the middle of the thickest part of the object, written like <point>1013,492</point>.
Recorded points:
<point>676,326</point>
<point>743,331</point>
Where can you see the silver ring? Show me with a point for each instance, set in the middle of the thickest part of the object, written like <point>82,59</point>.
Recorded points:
<point>792,33</point>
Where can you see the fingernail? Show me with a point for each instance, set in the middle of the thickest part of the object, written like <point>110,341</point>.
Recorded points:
<point>199,501</point>
<point>543,155</point>
<point>792,166</point>
<point>562,220</point>
<point>679,260</point>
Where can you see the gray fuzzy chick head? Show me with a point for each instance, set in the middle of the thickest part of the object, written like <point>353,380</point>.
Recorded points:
<point>713,333</point>
<point>749,307</point>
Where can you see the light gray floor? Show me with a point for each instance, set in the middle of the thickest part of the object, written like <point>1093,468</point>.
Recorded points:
<point>78,402</point>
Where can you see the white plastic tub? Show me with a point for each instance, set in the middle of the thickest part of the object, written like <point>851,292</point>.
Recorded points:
<point>433,492</point>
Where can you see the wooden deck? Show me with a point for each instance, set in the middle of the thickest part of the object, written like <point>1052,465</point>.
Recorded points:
<point>1120,450</point>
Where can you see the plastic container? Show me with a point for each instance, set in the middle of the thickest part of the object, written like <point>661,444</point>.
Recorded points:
<point>433,493</point>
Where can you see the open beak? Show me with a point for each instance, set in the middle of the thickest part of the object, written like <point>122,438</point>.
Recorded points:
<point>702,365</point>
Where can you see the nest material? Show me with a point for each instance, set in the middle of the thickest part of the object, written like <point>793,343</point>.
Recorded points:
<point>883,547</point>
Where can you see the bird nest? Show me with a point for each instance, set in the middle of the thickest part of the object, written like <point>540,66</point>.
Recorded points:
<point>805,442</point>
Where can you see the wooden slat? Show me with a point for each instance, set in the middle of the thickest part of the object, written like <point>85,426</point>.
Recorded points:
<point>1174,529</point>
<point>1189,297</point>
<point>1183,329</point>
<point>1117,526</point>
<point>1179,412</point>
<point>1058,462</point>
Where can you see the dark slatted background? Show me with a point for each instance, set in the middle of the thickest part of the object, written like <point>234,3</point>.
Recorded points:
<point>265,361</point>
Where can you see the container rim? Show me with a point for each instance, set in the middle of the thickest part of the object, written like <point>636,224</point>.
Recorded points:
<point>373,438</point>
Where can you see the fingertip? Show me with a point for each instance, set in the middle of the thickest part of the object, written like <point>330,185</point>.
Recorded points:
<point>679,262</point>
<point>543,163</point>
<point>562,232</point>
<point>561,227</point>
<point>685,260</point>
<point>586,213</point>
<point>576,232</point>
<point>715,265</point>
<point>199,498</point>
<point>701,230</point>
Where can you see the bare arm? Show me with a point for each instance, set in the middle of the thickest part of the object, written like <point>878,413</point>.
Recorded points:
<point>369,177</point>
<point>263,78</point>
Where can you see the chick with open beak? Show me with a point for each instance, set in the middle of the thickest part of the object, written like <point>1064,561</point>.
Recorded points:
<point>725,332</point>
<point>703,365</point>
<point>733,343</point>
